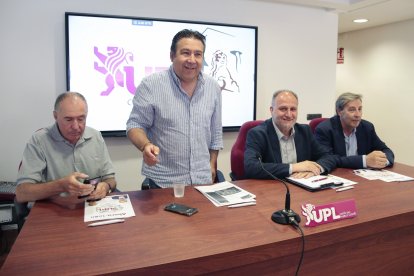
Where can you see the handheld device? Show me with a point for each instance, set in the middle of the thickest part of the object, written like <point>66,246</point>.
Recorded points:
<point>93,181</point>
<point>181,209</point>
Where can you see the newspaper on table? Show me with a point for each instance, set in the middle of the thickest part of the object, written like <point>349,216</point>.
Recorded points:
<point>109,207</point>
<point>383,175</point>
<point>226,193</point>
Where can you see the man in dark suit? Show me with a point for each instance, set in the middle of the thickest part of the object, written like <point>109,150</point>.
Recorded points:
<point>285,147</point>
<point>353,139</point>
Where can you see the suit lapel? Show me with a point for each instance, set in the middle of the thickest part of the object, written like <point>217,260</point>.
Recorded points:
<point>361,140</point>
<point>274,141</point>
<point>339,136</point>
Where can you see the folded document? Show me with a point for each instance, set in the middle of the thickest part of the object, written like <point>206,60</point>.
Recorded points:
<point>226,193</point>
<point>109,207</point>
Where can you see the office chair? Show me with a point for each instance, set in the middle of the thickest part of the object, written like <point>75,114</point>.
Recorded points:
<point>237,151</point>
<point>315,122</point>
<point>219,176</point>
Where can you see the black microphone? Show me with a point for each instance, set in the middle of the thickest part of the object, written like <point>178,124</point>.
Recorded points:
<point>287,215</point>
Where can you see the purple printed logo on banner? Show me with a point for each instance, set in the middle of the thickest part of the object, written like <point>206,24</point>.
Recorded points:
<point>115,65</point>
<point>316,215</point>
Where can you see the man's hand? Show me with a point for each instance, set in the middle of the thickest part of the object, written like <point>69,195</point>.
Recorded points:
<point>307,166</point>
<point>376,159</point>
<point>302,174</point>
<point>73,186</point>
<point>101,190</point>
<point>150,154</point>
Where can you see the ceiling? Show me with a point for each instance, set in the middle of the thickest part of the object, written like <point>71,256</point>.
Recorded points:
<point>378,12</point>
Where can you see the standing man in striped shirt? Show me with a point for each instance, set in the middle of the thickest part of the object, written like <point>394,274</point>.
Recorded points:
<point>176,118</point>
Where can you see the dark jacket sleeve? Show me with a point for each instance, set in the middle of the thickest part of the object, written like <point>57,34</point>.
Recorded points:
<point>330,135</point>
<point>258,144</point>
<point>375,143</point>
<point>262,141</point>
<point>313,150</point>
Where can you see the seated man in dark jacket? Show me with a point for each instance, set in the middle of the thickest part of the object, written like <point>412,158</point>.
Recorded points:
<point>352,138</point>
<point>285,147</point>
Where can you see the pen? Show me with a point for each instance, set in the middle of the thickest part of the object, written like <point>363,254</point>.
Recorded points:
<point>320,179</point>
<point>111,221</point>
<point>344,188</point>
<point>242,204</point>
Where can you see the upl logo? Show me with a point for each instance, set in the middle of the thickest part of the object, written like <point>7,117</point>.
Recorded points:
<point>116,65</point>
<point>316,215</point>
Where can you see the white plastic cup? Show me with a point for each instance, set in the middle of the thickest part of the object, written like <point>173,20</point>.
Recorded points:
<point>179,189</point>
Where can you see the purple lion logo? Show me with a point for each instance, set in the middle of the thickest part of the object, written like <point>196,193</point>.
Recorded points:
<point>307,211</point>
<point>115,66</point>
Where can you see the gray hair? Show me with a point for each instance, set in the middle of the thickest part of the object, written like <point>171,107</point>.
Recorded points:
<point>275,94</point>
<point>344,99</point>
<point>68,94</point>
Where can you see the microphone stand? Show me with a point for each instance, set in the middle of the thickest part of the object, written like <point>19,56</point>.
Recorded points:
<point>286,216</point>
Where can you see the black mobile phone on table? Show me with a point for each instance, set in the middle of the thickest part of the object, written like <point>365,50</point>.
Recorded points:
<point>181,209</point>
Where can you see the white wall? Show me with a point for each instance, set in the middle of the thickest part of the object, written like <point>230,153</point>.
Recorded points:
<point>379,63</point>
<point>297,50</point>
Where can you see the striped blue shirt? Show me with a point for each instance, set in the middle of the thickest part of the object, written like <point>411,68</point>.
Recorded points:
<point>183,128</point>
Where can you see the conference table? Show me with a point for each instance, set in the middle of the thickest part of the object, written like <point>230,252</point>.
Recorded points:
<point>226,241</point>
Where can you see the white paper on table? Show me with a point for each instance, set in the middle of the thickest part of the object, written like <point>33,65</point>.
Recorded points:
<point>109,207</point>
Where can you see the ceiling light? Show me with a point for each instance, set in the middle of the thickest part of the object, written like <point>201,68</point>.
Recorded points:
<point>360,20</point>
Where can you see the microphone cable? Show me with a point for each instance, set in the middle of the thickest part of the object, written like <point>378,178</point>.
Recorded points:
<point>286,215</point>
<point>291,217</point>
<point>296,225</point>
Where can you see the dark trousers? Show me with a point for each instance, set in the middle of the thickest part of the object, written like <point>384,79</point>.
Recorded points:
<point>148,184</point>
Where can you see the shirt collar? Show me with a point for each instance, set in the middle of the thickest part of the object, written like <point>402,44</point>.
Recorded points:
<point>55,134</point>
<point>352,133</point>
<point>280,135</point>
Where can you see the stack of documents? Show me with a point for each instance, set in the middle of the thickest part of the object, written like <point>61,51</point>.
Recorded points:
<point>226,194</point>
<point>383,175</point>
